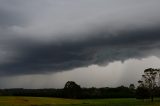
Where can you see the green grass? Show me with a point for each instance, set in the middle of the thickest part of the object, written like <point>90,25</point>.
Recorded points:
<point>40,101</point>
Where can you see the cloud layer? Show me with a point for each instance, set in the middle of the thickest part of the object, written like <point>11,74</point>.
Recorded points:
<point>51,36</point>
<point>125,73</point>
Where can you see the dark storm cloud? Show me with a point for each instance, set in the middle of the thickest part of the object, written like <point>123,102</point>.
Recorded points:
<point>36,58</point>
<point>52,36</point>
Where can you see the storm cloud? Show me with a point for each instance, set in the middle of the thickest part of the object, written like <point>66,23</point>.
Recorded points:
<point>53,36</point>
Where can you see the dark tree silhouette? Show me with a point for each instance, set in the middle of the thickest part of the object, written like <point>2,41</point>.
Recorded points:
<point>72,90</point>
<point>142,93</point>
<point>131,86</point>
<point>149,81</point>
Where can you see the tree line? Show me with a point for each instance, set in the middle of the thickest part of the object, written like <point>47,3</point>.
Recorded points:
<point>73,91</point>
<point>148,88</point>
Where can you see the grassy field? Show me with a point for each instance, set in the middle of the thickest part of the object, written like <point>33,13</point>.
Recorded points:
<point>39,101</point>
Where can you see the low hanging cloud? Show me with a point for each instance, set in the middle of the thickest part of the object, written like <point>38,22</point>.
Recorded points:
<point>36,58</point>
<point>54,36</point>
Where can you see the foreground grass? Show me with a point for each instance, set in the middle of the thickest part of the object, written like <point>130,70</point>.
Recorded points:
<point>40,101</point>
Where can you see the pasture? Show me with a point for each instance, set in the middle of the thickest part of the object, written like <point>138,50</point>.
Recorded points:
<point>44,101</point>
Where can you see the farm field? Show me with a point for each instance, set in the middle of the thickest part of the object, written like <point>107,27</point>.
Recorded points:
<point>44,101</point>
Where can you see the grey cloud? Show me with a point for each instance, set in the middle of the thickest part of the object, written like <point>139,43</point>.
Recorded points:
<point>48,19</point>
<point>8,18</point>
<point>34,58</point>
<point>51,36</point>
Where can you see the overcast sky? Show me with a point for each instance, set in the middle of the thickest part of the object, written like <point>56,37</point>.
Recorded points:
<point>45,43</point>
